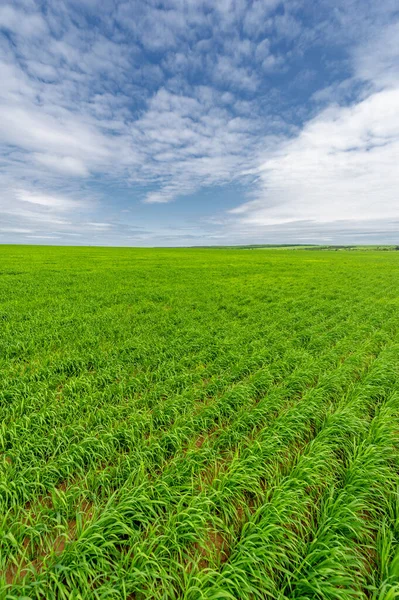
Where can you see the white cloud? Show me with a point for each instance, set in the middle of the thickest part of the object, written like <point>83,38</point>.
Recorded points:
<point>192,141</point>
<point>43,237</point>
<point>14,230</point>
<point>31,128</point>
<point>170,101</point>
<point>67,98</point>
<point>343,165</point>
<point>100,225</point>
<point>46,200</point>
<point>63,164</point>
<point>378,60</point>
<point>22,23</point>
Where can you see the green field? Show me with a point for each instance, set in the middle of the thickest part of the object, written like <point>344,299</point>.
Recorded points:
<point>194,423</point>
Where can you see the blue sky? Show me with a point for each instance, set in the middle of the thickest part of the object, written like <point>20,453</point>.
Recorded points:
<point>194,122</point>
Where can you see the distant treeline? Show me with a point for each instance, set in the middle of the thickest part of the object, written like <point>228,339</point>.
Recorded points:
<point>387,248</point>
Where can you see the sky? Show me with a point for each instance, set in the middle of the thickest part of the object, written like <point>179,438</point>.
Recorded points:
<point>199,122</point>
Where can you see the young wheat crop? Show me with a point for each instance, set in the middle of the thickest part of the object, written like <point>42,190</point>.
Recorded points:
<point>218,424</point>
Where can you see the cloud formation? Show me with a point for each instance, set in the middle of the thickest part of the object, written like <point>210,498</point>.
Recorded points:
<point>118,117</point>
<point>342,166</point>
<point>340,172</point>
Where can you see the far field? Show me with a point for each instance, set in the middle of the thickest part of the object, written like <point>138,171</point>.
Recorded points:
<point>193,423</point>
